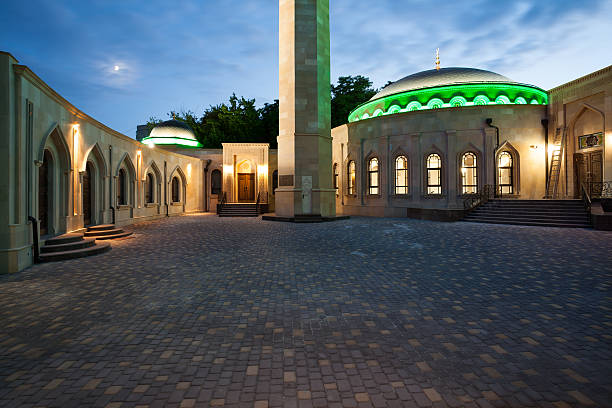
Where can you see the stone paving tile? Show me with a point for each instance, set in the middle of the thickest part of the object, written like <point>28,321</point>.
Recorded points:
<point>198,311</point>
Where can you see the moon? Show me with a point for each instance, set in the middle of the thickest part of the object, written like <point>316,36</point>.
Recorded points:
<point>116,67</point>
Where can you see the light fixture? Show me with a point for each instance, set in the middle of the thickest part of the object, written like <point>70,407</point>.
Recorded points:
<point>533,148</point>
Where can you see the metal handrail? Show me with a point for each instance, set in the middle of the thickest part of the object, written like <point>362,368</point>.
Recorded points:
<point>481,197</point>
<point>586,199</point>
<point>222,203</point>
<point>257,203</point>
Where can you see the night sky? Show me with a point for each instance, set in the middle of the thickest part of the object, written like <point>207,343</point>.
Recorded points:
<point>123,61</point>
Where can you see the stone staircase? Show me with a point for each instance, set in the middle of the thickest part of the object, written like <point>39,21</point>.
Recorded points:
<point>240,210</point>
<point>105,232</point>
<point>71,246</point>
<point>544,213</point>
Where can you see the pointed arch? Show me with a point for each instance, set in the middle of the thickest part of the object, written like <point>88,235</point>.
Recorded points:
<point>126,161</point>
<point>178,190</point>
<point>126,187</point>
<point>95,151</point>
<point>56,136</point>
<point>473,174</point>
<point>513,187</point>
<point>153,183</point>
<point>434,171</point>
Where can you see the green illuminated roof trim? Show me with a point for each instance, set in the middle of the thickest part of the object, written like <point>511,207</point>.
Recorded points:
<point>171,141</point>
<point>450,96</point>
<point>457,101</point>
<point>502,100</point>
<point>520,101</point>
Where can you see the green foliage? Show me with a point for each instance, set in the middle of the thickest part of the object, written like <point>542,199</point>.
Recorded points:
<point>240,121</point>
<point>236,121</point>
<point>350,92</point>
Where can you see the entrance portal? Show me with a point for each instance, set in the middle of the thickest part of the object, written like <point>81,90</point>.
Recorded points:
<point>589,171</point>
<point>246,187</point>
<point>87,201</point>
<point>44,193</point>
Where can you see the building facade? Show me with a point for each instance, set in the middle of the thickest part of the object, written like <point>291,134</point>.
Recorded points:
<point>419,148</point>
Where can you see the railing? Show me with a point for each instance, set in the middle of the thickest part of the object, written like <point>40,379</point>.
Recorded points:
<point>257,203</point>
<point>599,189</point>
<point>586,199</point>
<point>222,203</point>
<point>481,197</point>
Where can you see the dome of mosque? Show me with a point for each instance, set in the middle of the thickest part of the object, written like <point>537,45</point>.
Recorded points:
<point>448,88</point>
<point>172,132</point>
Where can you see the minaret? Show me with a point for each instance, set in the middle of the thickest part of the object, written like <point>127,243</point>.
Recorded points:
<point>437,59</point>
<point>304,141</point>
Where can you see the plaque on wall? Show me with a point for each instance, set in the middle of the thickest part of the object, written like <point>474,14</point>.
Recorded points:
<point>592,140</point>
<point>285,181</point>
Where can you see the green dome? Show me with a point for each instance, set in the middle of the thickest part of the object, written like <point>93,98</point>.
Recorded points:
<point>448,88</point>
<point>172,132</point>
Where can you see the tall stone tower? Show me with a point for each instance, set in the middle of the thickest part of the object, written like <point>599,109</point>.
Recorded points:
<point>304,141</point>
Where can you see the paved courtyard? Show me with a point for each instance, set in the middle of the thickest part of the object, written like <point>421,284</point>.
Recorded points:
<point>202,311</point>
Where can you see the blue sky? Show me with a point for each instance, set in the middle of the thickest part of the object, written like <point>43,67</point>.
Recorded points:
<point>179,55</point>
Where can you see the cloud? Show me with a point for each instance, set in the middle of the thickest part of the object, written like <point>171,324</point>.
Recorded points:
<point>195,53</point>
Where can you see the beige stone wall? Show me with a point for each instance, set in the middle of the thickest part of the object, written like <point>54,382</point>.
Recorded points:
<point>73,139</point>
<point>449,133</point>
<point>581,107</point>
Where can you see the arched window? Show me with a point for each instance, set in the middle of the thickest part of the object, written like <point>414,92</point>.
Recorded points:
<point>401,175</point>
<point>469,173</point>
<point>434,174</point>
<point>215,182</point>
<point>351,178</point>
<point>505,171</point>
<point>122,188</point>
<point>373,176</point>
<point>149,198</point>
<point>274,181</point>
<point>336,176</point>
<point>176,189</point>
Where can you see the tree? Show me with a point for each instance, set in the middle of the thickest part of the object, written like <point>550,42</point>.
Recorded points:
<point>350,92</point>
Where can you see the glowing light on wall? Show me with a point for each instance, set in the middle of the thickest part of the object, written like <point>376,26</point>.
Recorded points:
<point>75,148</point>
<point>450,96</point>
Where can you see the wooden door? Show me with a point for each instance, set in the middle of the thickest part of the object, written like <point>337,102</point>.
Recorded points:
<point>246,187</point>
<point>87,195</point>
<point>43,194</point>
<point>589,171</point>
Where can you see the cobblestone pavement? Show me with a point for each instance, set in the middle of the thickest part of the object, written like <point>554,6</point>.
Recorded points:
<point>202,311</point>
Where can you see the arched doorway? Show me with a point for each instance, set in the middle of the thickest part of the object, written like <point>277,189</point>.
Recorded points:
<point>45,192</point>
<point>588,135</point>
<point>88,183</point>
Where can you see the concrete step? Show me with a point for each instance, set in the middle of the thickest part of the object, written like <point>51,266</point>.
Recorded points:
<point>551,214</point>
<point>76,253</point>
<point>64,239</point>
<point>528,219</point>
<point>531,223</point>
<point>70,246</point>
<point>122,234</point>
<point>103,232</point>
<point>103,227</point>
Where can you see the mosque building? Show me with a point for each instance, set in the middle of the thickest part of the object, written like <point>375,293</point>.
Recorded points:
<point>419,148</point>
